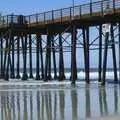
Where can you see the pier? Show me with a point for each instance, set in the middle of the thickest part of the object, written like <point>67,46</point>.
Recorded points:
<point>42,34</point>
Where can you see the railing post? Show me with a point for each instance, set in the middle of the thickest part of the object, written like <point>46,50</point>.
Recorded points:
<point>100,53</point>
<point>90,8</point>
<point>29,20</point>
<point>61,15</point>
<point>114,6</point>
<point>3,20</point>
<point>44,17</point>
<point>52,16</point>
<point>80,11</point>
<point>102,8</point>
<point>73,55</point>
<point>36,18</point>
<point>11,18</point>
<point>7,20</point>
<point>71,14</point>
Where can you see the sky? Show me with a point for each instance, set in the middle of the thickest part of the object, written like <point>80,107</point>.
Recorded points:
<point>35,6</point>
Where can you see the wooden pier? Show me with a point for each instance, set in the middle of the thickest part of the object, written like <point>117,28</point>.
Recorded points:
<point>21,36</point>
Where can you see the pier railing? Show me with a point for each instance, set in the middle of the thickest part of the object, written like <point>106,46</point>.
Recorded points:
<point>99,8</point>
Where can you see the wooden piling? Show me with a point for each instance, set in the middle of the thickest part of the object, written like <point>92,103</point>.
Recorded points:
<point>24,47</point>
<point>86,52</point>
<point>73,55</point>
<point>100,53</point>
<point>12,75</point>
<point>54,58</point>
<point>41,58</point>
<point>37,56</point>
<point>1,55</point>
<point>105,58</point>
<point>30,57</point>
<point>18,58</point>
<point>114,54</point>
<point>61,60</point>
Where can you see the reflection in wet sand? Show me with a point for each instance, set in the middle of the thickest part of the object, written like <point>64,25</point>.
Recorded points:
<point>87,94</point>
<point>103,102</point>
<point>74,104</point>
<point>116,99</point>
<point>60,104</point>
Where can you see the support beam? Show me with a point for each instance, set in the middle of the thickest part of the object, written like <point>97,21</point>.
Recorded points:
<point>48,58</point>
<point>37,57</point>
<point>41,57</point>
<point>5,55</point>
<point>46,63</point>
<point>114,55</point>
<point>86,52</point>
<point>8,61</point>
<point>84,47</point>
<point>73,55</point>
<point>119,47</point>
<point>18,57</point>
<point>54,58</point>
<point>8,67</point>
<point>105,58</point>
<point>24,47</point>
<point>1,55</point>
<point>100,53</point>
<point>87,56</point>
<point>61,60</point>
<point>12,74</point>
<point>30,56</point>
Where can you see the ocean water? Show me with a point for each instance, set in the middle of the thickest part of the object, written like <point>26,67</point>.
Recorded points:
<point>57,101</point>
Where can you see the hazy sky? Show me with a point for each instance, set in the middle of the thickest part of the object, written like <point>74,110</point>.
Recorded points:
<point>33,6</point>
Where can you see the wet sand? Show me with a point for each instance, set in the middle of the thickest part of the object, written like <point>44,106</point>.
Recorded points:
<point>106,118</point>
<point>33,100</point>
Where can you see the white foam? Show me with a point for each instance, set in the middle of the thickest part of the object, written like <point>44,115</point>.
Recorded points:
<point>81,75</point>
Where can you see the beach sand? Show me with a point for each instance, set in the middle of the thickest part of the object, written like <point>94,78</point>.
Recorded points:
<point>106,118</point>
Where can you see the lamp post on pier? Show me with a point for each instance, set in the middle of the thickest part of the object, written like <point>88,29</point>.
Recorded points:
<point>73,5</point>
